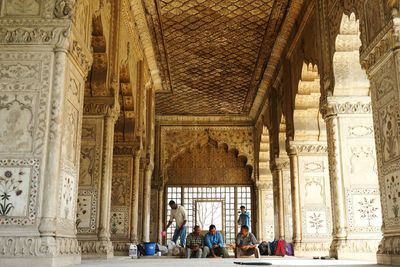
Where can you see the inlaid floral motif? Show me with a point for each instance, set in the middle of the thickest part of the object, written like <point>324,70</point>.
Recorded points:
<point>10,183</point>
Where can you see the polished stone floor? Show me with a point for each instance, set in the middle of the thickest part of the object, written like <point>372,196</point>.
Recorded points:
<point>168,262</point>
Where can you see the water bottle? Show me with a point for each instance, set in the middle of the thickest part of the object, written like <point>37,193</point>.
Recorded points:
<point>133,251</point>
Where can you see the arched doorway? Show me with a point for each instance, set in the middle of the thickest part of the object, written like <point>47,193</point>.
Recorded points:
<point>211,182</point>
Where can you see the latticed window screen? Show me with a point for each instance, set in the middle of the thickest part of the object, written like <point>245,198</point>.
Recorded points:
<point>205,205</point>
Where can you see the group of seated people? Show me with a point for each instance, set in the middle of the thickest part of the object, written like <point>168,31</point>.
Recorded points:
<point>212,245</point>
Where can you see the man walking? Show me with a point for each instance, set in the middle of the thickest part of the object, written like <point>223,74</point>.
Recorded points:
<point>179,214</point>
<point>195,243</point>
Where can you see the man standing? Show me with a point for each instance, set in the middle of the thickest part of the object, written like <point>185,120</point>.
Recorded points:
<point>244,217</point>
<point>214,245</point>
<point>246,243</point>
<point>194,243</point>
<point>179,214</point>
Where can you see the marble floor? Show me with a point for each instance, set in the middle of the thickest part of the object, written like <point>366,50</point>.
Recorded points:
<point>168,262</point>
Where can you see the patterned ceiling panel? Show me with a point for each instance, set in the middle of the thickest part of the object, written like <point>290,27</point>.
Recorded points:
<point>210,50</point>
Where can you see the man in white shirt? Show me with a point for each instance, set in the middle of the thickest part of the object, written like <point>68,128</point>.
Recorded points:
<point>179,214</point>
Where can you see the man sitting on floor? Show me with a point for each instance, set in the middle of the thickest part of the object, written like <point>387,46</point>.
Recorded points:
<point>246,243</point>
<point>195,243</point>
<point>214,245</point>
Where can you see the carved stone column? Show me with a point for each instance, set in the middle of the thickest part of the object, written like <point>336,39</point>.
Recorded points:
<point>147,201</point>
<point>41,92</point>
<point>121,196</point>
<point>96,179</point>
<point>135,197</point>
<point>279,213</point>
<point>264,188</point>
<point>339,233</point>
<point>106,181</point>
<point>353,177</point>
<point>295,190</point>
<point>382,62</point>
<point>313,219</point>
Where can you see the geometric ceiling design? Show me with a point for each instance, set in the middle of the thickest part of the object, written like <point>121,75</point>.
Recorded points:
<point>212,53</point>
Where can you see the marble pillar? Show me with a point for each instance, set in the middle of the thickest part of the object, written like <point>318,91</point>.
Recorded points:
<point>313,217</point>
<point>121,196</point>
<point>94,199</point>
<point>279,215</point>
<point>353,178</point>
<point>41,92</point>
<point>295,193</point>
<point>383,66</point>
<point>147,201</point>
<point>135,198</point>
<point>265,222</point>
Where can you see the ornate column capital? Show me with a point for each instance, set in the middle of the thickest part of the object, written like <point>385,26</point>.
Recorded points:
<point>282,163</point>
<point>262,185</point>
<point>64,9</point>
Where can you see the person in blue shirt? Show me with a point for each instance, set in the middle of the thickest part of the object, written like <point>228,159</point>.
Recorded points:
<point>214,245</point>
<point>244,217</point>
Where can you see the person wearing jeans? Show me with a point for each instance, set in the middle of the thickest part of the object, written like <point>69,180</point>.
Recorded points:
<point>178,214</point>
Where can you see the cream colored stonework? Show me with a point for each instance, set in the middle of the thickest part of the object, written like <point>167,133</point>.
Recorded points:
<point>101,101</point>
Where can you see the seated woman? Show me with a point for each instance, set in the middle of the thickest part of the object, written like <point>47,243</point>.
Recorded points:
<point>214,245</point>
<point>246,243</point>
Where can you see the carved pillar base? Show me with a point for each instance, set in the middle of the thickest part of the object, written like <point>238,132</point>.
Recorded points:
<point>354,249</point>
<point>389,251</point>
<point>36,251</point>
<point>312,249</point>
<point>97,249</point>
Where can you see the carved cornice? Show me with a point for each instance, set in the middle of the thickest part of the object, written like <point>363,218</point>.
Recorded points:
<point>309,148</point>
<point>125,149</point>
<point>345,105</point>
<point>34,32</point>
<point>82,56</point>
<point>145,38</point>
<point>386,40</point>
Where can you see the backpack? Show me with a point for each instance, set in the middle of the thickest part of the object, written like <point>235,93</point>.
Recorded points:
<point>280,248</point>
<point>272,247</point>
<point>264,248</point>
<point>141,250</point>
<point>289,249</point>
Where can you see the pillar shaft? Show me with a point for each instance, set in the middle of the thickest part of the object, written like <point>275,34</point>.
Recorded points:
<point>295,190</point>
<point>278,204</point>
<point>106,180</point>
<point>147,202</point>
<point>336,180</point>
<point>135,198</point>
